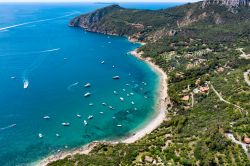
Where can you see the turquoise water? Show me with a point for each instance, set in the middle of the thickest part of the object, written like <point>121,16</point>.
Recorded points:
<point>44,65</point>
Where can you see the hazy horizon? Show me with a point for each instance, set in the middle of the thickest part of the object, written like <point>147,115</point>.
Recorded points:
<point>101,1</point>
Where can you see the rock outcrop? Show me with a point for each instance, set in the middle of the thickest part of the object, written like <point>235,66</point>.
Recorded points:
<point>232,5</point>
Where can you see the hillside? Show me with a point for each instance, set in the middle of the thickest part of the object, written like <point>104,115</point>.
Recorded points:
<point>205,50</point>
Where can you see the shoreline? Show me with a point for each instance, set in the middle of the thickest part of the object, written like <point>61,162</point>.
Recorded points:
<point>159,116</point>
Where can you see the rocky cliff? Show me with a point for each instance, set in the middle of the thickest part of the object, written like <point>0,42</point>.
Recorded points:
<point>232,5</point>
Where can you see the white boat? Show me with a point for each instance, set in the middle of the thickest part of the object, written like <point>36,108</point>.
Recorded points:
<point>115,92</point>
<point>128,94</point>
<point>116,77</point>
<point>110,107</point>
<point>12,77</point>
<point>132,93</point>
<point>65,58</point>
<point>91,104</point>
<point>46,117</point>
<point>85,123</point>
<point>78,115</point>
<point>40,135</point>
<point>119,125</point>
<point>104,104</point>
<point>127,84</point>
<point>113,66</point>
<point>65,124</point>
<point>57,135</point>
<point>135,109</point>
<point>113,117</point>
<point>121,98</point>
<point>101,112</point>
<point>90,117</point>
<point>132,102</point>
<point>124,90</point>
<point>102,62</point>
<point>25,84</point>
<point>87,85</point>
<point>145,97</point>
<point>87,94</point>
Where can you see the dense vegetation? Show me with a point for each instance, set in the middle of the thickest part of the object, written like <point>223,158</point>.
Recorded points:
<point>201,58</point>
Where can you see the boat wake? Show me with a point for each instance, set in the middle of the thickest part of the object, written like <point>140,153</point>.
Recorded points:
<point>7,127</point>
<point>4,30</point>
<point>51,50</point>
<point>69,88</point>
<point>32,22</point>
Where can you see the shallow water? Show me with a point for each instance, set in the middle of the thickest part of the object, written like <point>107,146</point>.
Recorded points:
<point>44,65</point>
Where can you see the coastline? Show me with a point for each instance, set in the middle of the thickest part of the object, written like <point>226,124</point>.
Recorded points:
<point>159,116</point>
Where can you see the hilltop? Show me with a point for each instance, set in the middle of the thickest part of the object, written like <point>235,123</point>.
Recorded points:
<point>204,48</point>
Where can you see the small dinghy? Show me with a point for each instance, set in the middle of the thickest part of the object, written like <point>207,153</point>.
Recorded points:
<point>101,112</point>
<point>104,104</point>
<point>115,92</point>
<point>121,98</point>
<point>57,135</point>
<point>78,115</point>
<point>119,125</point>
<point>132,102</point>
<point>102,62</point>
<point>91,104</point>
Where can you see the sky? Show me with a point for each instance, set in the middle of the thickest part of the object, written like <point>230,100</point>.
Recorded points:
<point>99,1</point>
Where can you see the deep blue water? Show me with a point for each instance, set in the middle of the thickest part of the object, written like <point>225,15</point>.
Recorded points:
<point>38,47</point>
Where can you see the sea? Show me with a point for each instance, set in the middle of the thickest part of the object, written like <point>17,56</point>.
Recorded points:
<point>57,90</point>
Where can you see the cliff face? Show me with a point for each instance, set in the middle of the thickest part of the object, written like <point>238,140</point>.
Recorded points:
<point>94,21</point>
<point>232,5</point>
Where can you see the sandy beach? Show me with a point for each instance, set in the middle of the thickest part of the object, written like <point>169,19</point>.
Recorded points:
<point>159,116</point>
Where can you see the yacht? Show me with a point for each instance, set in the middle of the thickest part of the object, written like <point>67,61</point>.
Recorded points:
<point>40,135</point>
<point>25,84</point>
<point>116,77</point>
<point>85,123</point>
<point>87,85</point>
<point>90,117</point>
<point>46,117</point>
<point>65,124</point>
<point>87,94</point>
